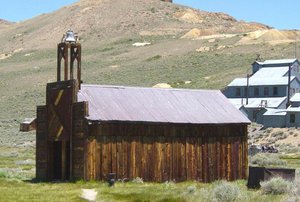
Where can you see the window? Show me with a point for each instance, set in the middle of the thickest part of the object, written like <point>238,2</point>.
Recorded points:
<point>245,91</point>
<point>256,92</point>
<point>292,118</point>
<point>238,91</point>
<point>275,90</point>
<point>266,91</point>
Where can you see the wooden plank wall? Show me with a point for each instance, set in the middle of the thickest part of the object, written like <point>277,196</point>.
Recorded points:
<point>80,111</point>
<point>41,144</point>
<point>166,152</point>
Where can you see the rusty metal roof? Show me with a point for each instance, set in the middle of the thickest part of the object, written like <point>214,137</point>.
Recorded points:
<point>137,104</point>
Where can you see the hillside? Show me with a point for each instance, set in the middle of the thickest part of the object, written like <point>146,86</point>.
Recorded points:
<point>98,21</point>
<point>209,58</point>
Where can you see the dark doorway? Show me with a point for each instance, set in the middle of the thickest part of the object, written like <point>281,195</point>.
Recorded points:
<point>61,160</point>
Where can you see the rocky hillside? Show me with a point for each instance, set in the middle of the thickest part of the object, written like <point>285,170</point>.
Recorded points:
<point>101,20</point>
<point>4,24</point>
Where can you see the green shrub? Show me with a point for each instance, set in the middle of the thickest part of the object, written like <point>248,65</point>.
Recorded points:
<point>277,133</point>
<point>3,174</point>
<point>138,180</point>
<point>156,57</point>
<point>276,185</point>
<point>225,192</point>
<point>265,159</point>
<point>191,189</point>
<point>294,191</point>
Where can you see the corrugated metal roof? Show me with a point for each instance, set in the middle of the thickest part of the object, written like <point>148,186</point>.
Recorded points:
<point>116,103</point>
<point>272,102</point>
<point>296,97</point>
<point>282,61</point>
<point>261,81</point>
<point>273,112</point>
<point>271,72</point>
<point>293,109</point>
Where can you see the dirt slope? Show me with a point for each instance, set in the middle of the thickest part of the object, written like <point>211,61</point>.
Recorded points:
<point>4,24</point>
<point>97,21</point>
<point>272,36</point>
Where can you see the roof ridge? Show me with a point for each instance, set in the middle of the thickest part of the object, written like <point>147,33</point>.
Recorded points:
<point>152,88</point>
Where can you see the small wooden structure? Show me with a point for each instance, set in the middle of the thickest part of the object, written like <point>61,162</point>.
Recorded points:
<point>258,174</point>
<point>89,131</point>
<point>28,125</point>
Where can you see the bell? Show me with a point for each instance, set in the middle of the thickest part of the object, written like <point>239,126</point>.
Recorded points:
<point>70,37</point>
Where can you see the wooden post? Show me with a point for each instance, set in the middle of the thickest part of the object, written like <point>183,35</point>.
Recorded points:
<point>63,160</point>
<point>289,87</point>
<point>59,58</point>
<point>63,50</point>
<point>247,89</point>
<point>75,50</point>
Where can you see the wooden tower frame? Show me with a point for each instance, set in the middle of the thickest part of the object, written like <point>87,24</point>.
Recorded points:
<point>55,119</point>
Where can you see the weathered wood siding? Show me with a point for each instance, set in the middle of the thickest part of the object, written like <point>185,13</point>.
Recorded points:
<point>80,111</point>
<point>157,152</point>
<point>41,143</point>
<point>55,128</point>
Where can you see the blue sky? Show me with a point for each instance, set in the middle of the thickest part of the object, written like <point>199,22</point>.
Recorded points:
<point>276,13</point>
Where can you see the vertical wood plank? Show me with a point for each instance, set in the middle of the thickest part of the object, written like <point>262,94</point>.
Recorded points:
<point>245,152</point>
<point>199,159</point>
<point>158,159</point>
<point>219,159</point>
<point>229,158</point>
<point>139,153</point>
<point>120,168</point>
<point>205,159</point>
<point>187,158</point>
<point>105,156</point>
<point>114,154</point>
<point>125,150</point>
<point>143,158</point>
<point>98,159</point>
<point>163,159</point>
<point>168,154</point>
<point>240,160</point>
<point>223,158</point>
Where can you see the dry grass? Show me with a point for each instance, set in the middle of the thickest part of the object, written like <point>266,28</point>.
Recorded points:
<point>280,137</point>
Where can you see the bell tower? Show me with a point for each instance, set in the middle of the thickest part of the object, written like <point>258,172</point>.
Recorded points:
<point>69,52</point>
<point>55,120</point>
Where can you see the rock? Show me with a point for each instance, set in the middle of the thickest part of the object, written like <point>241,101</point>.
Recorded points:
<point>221,47</point>
<point>162,85</point>
<point>203,49</point>
<point>140,44</point>
<point>89,194</point>
<point>4,56</point>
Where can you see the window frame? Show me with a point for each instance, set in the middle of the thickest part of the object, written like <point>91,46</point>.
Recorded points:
<point>292,118</point>
<point>256,91</point>
<point>275,90</point>
<point>238,92</point>
<point>266,91</point>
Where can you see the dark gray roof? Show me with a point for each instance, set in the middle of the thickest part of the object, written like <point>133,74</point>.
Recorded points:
<point>136,104</point>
